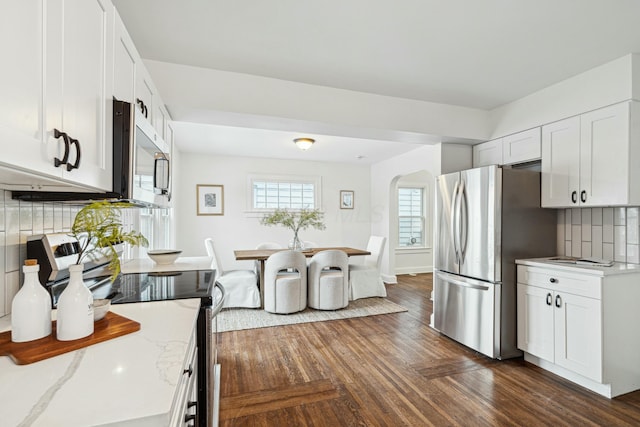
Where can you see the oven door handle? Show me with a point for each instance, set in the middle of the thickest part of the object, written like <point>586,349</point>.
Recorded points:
<point>216,309</point>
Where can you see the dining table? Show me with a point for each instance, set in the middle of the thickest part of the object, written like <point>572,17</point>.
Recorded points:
<point>261,255</point>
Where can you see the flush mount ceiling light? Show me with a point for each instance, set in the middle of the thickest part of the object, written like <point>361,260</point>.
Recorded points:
<point>304,143</point>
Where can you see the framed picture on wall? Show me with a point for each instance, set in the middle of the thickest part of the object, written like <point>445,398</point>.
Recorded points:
<point>210,199</point>
<point>346,199</point>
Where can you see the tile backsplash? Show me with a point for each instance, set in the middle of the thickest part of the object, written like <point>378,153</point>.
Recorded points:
<point>609,233</point>
<point>19,219</point>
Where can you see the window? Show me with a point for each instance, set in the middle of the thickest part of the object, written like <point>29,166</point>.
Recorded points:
<point>284,192</point>
<point>411,220</point>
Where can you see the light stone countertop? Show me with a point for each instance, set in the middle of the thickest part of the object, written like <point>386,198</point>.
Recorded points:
<point>132,377</point>
<point>616,268</point>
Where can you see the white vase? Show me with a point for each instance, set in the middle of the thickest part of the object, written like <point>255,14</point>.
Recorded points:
<point>31,308</point>
<point>75,308</point>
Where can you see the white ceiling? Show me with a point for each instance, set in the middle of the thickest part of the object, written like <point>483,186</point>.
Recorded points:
<point>479,54</point>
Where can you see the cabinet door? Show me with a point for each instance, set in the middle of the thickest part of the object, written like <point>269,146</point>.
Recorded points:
<point>578,334</point>
<point>145,92</point>
<point>521,147</point>
<point>87,89</point>
<point>487,153</point>
<point>560,163</point>
<point>535,321</point>
<point>125,61</point>
<point>604,150</point>
<point>21,88</point>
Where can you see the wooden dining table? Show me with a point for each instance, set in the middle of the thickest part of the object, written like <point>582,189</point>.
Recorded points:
<point>261,256</point>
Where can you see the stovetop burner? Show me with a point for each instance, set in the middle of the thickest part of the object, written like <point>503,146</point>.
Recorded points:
<point>144,287</point>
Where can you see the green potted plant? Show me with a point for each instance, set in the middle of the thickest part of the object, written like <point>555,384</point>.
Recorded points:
<point>295,220</point>
<point>98,228</point>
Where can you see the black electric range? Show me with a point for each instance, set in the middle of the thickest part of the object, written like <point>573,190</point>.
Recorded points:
<point>145,287</point>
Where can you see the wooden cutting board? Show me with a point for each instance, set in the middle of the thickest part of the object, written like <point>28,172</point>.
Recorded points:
<point>22,353</point>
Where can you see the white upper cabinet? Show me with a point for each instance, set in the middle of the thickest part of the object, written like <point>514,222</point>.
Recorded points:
<point>521,147</point>
<point>517,148</point>
<point>591,159</point>
<point>57,97</point>
<point>487,153</point>
<point>81,105</point>
<point>125,62</point>
<point>21,109</point>
<point>145,92</point>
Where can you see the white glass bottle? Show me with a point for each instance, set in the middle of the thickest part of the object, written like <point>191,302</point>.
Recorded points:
<point>75,308</point>
<point>31,307</point>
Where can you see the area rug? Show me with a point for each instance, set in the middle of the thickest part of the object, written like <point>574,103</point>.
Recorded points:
<point>235,319</point>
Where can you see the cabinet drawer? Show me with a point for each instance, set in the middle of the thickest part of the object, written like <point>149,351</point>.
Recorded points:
<point>561,281</point>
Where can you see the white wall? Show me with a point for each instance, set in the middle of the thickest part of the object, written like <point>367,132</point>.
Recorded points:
<point>607,84</point>
<point>238,230</point>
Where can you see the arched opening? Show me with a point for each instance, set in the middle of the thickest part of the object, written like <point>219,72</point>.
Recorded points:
<point>410,223</point>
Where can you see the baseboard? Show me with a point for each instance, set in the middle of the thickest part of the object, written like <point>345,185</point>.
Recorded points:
<point>414,270</point>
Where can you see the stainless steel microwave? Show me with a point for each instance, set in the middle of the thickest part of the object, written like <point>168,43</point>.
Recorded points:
<point>140,164</point>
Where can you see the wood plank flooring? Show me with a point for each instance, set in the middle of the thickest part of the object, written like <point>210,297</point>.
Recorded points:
<point>394,370</point>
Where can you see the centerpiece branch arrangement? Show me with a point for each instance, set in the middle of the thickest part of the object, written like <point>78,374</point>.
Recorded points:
<point>295,220</point>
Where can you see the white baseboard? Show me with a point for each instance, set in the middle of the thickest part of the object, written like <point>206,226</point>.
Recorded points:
<point>414,270</point>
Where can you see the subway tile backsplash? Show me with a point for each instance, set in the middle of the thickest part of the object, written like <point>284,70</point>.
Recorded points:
<point>609,233</point>
<point>19,220</point>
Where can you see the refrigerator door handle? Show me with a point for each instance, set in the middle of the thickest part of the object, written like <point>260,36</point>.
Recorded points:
<point>467,283</point>
<point>454,220</point>
<point>463,207</point>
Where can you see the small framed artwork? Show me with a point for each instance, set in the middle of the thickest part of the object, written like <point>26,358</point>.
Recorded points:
<point>346,199</point>
<point>210,199</point>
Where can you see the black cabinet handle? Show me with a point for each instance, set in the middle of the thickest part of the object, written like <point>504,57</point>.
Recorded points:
<point>188,371</point>
<point>191,404</point>
<point>75,164</point>
<point>558,301</point>
<point>549,298</point>
<point>553,280</point>
<point>583,196</point>
<point>143,107</point>
<point>189,417</point>
<point>574,196</point>
<point>65,158</point>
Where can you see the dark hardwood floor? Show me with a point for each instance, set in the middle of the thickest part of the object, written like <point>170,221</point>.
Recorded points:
<point>394,370</point>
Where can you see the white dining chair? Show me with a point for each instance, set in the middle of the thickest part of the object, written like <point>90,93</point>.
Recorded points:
<point>308,244</point>
<point>328,280</point>
<point>265,245</point>
<point>364,279</point>
<point>285,282</point>
<point>241,286</point>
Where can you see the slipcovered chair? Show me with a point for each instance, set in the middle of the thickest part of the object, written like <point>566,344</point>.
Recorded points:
<point>364,279</point>
<point>285,282</point>
<point>307,244</point>
<point>241,286</point>
<point>329,280</point>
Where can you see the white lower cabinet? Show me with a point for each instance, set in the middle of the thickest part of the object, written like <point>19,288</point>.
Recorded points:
<point>571,321</point>
<point>184,412</point>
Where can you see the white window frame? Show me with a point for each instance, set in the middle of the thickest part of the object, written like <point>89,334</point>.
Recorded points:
<point>426,220</point>
<point>298,179</point>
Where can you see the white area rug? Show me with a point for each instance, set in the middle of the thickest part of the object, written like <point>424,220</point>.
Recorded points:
<point>235,319</point>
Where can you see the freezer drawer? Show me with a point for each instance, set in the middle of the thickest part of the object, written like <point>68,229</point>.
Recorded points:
<point>468,311</point>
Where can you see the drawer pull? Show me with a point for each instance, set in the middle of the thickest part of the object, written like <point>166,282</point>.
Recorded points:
<point>553,280</point>
<point>549,299</point>
<point>188,371</point>
<point>558,301</point>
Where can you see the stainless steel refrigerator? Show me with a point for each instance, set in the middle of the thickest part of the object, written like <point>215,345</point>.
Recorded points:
<point>486,218</point>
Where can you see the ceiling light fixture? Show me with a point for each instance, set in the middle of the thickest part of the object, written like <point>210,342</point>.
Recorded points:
<point>304,143</point>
